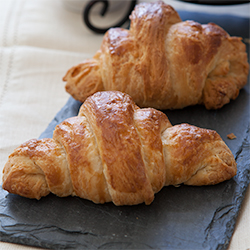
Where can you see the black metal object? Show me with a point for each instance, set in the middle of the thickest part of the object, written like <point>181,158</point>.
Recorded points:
<point>216,2</point>
<point>87,10</point>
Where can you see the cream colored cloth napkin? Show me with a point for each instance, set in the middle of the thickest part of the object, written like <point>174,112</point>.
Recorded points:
<point>39,41</point>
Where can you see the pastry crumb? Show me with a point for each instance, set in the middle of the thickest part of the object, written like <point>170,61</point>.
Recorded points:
<point>231,136</point>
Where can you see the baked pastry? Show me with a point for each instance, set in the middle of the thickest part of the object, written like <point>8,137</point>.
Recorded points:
<point>164,63</point>
<point>115,151</point>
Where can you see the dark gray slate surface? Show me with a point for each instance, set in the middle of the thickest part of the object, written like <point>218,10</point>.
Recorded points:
<point>179,218</point>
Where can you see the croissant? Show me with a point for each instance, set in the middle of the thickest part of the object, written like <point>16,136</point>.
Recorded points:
<point>164,63</point>
<point>115,151</point>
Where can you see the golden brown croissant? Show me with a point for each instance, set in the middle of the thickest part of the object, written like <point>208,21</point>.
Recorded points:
<point>115,151</point>
<point>164,63</point>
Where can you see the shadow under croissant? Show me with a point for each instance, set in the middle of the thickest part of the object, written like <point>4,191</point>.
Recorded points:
<point>55,221</point>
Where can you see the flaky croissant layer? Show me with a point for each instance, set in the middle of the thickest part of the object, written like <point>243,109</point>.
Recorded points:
<point>164,63</point>
<point>115,151</point>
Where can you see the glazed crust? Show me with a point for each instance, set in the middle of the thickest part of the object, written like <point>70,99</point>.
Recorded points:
<point>115,151</point>
<point>164,63</point>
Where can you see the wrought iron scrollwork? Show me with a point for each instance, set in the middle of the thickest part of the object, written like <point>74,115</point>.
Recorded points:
<point>86,15</point>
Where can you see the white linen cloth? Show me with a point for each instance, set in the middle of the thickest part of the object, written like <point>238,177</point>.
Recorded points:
<point>39,41</point>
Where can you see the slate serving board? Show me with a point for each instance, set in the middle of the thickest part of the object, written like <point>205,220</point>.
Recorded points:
<point>179,218</point>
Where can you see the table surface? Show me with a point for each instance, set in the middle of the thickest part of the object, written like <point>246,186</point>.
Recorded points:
<point>39,41</point>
